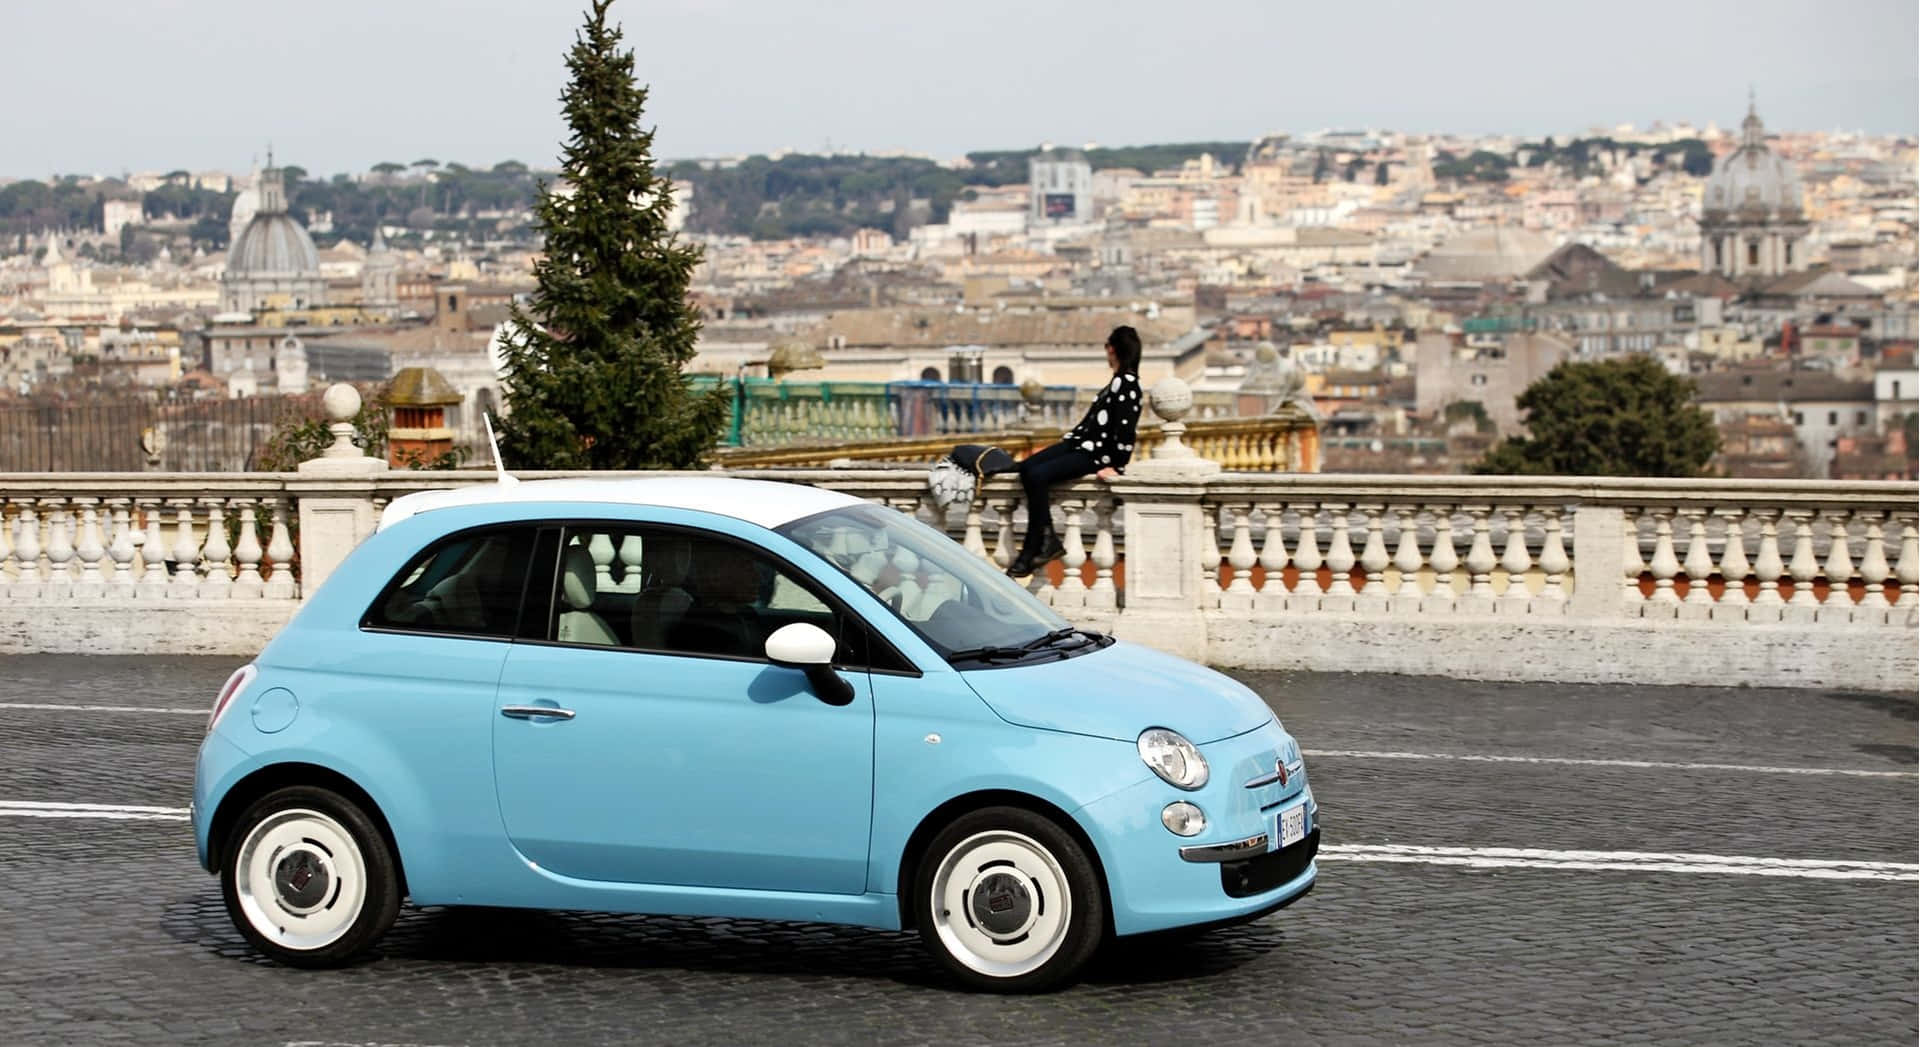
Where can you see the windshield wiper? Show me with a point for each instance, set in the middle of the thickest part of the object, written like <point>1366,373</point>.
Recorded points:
<point>1039,644</point>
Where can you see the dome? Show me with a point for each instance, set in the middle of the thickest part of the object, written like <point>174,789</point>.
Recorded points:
<point>1487,254</point>
<point>1752,180</point>
<point>273,243</point>
<point>245,203</point>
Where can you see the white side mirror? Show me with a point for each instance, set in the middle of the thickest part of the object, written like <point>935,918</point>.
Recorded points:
<point>800,645</point>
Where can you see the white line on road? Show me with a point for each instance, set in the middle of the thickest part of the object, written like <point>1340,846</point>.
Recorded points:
<point>1470,857</point>
<point>1364,754</point>
<point>1631,861</point>
<point>55,707</point>
<point>109,811</point>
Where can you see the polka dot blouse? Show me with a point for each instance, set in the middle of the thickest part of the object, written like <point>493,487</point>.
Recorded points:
<point>1107,431</point>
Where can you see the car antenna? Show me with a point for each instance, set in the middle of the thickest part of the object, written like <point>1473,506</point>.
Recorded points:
<point>501,476</point>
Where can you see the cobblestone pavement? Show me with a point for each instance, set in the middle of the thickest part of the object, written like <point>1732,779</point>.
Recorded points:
<point>109,933</point>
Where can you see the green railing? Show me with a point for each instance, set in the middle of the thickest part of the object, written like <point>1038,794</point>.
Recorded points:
<point>767,412</point>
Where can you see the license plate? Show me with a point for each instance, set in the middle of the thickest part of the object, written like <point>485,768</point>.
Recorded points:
<point>1291,826</point>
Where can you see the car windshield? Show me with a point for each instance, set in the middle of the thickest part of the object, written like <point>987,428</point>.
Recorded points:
<point>960,604</point>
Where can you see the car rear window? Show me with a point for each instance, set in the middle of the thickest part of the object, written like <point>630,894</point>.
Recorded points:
<point>466,585</point>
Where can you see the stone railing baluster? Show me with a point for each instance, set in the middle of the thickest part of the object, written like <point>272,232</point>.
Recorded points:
<point>1907,571</point>
<point>246,553</point>
<point>280,552</point>
<point>89,550</point>
<point>1553,563</point>
<point>153,552</point>
<point>1273,557</point>
<point>1003,548</point>
<point>1733,563</point>
<point>1241,555</point>
<point>1072,586</point>
<point>1517,561</point>
<point>971,539</point>
<point>1407,560</point>
<point>1306,558</point>
<point>1103,595</point>
<point>120,550</point>
<point>217,580</point>
<point>1480,563</point>
<point>1767,568</point>
<point>1445,561</point>
<point>1838,606</point>
<point>26,552</point>
<point>1636,565</point>
<point>1340,560</point>
<point>1873,570</point>
<point>59,549</point>
<point>186,552</point>
<point>1374,560</point>
<point>1699,565</point>
<point>1665,565</point>
<point>1804,568</point>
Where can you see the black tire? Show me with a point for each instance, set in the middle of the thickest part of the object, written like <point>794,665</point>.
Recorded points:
<point>1041,949</point>
<point>308,879</point>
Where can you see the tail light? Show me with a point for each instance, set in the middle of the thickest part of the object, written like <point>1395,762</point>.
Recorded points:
<point>228,691</point>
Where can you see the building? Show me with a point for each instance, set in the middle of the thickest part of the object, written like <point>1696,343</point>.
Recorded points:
<point>1061,181</point>
<point>1821,407</point>
<point>379,276</point>
<point>273,262</point>
<point>1751,223</point>
<point>118,214</point>
<point>1449,371</point>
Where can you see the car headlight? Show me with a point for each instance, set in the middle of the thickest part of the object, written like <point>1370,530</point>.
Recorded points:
<point>1173,758</point>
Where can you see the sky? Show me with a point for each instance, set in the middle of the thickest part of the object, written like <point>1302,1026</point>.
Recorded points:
<point>115,86</point>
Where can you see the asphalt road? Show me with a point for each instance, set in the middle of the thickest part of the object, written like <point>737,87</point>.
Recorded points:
<point>1503,863</point>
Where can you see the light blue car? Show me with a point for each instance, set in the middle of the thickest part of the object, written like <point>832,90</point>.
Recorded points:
<point>716,697</point>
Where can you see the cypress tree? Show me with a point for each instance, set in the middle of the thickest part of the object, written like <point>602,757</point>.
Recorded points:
<point>594,361</point>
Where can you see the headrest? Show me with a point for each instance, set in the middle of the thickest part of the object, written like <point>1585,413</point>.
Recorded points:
<point>576,578</point>
<point>668,560</point>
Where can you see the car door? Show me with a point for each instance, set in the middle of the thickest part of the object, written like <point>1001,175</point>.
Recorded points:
<point>674,752</point>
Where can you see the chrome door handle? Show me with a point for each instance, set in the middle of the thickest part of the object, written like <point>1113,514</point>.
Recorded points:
<point>528,712</point>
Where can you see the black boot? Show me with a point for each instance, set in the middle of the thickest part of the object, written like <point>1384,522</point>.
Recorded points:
<point>1053,549</point>
<point>1022,565</point>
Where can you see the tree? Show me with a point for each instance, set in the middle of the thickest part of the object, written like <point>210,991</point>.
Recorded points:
<point>594,361</point>
<point>1625,417</point>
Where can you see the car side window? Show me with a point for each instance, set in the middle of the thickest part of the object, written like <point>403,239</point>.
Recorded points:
<point>680,593</point>
<point>468,584</point>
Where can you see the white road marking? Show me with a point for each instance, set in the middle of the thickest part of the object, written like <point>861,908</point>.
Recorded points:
<point>1470,857</point>
<point>54,707</point>
<point>1631,861</point>
<point>1657,765</point>
<point>108,811</point>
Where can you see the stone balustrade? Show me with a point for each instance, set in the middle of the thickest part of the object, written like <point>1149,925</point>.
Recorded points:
<point>1578,579</point>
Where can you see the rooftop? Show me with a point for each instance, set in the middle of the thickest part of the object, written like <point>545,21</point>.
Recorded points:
<point>767,503</point>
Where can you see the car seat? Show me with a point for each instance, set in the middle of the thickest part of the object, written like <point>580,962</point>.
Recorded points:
<point>579,624</point>
<point>664,600</point>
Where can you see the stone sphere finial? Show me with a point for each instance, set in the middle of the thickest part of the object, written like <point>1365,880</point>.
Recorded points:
<point>341,402</point>
<point>1266,353</point>
<point>1171,398</point>
<point>1032,391</point>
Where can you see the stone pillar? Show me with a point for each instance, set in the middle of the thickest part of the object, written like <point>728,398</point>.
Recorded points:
<point>335,493</point>
<point>1166,541</point>
<point>1599,562</point>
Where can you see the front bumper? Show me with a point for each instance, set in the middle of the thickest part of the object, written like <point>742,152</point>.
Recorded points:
<point>1157,881</point>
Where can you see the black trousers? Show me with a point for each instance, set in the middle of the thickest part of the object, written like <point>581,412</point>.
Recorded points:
<point>1040,471</point>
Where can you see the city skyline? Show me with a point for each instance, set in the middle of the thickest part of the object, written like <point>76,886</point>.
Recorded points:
<point>485,88</point>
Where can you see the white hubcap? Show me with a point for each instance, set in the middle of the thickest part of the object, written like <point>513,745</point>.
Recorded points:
<point>301,879</point>
<point>1001,904</point>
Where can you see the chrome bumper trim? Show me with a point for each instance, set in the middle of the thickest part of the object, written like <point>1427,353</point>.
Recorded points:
<point>1225,852</point>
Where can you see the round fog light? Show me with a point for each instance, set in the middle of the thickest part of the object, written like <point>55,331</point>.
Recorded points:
<point>1183,819</point>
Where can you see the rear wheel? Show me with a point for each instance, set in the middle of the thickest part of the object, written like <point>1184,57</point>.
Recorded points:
<point>308,879</point>
<point>1007,901</point>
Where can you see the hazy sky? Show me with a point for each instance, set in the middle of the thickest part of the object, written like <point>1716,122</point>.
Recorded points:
<point>106,86</point>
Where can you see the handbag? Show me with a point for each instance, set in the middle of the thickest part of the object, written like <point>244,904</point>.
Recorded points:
<point>982,460</point>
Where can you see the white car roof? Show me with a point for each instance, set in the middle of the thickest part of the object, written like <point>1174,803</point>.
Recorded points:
<point>765,502</point>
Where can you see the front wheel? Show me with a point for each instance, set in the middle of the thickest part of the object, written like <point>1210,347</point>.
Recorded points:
<point>1009,902</point>
<point>308,879</point>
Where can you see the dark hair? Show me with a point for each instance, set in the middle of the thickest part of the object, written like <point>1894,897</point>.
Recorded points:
<point>1125,343</point>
